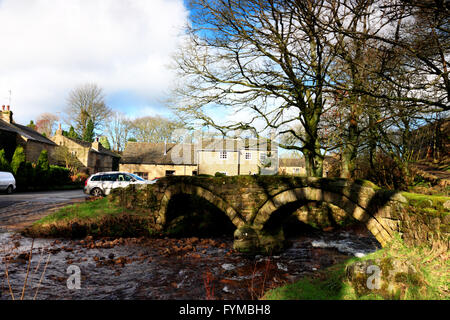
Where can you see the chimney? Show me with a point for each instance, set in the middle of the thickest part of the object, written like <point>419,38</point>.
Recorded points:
<point>59,131</point>
<point>165,148</point>
<point>97,145</point>
<point>6,114</point>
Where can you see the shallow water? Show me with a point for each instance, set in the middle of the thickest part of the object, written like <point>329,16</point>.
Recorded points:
<point>187,268</point>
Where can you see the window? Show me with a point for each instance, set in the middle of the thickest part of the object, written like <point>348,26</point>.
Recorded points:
<point>223,155</point>
<point>263,156</point>
<point>170,173</point>
<point>124,177</point>
<point>96,178</point>
<point>297,170</point>
<point>248,156</point>
<point>194,173</point>
<point>133,176</point>
<point>143,175</point>
<point>109,177</point>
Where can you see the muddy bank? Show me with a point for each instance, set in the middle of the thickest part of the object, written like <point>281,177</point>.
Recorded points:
<point>188,268</point>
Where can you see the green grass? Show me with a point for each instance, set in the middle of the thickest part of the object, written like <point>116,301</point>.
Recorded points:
<point>98,218</point>
<point>414,197</point>
<point>428,204</point>
<point>86,210</point>
<point>429,282</point>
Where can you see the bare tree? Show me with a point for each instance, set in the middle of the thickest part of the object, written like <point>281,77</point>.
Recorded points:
<point>63,156</point>
<point>46,123</point>
<point>154,129</point>
<point>85,103</point>
<point>414,38</point>
<point>268,59</point>
<point>118,130</point>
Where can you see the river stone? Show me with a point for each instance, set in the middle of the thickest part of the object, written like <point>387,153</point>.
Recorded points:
<point>228,266</point>
<point>447,205</point>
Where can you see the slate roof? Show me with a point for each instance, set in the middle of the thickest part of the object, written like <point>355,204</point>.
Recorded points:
<point>25,131</point>
<point>153,153</point>
<point>89,145</point>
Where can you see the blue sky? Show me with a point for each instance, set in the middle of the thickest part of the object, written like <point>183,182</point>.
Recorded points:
<point>49,47</point>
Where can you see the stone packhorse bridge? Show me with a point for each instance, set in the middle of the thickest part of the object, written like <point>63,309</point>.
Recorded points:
<point>257,204</point>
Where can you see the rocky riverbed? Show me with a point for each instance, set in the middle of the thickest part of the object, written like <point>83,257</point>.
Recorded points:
<point>142,268</point>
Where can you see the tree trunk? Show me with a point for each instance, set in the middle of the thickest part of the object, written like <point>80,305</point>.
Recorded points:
<point>313,160</point>
<point>349,152</point>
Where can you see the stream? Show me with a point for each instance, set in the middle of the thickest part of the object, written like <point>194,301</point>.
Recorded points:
<point>143,268</point>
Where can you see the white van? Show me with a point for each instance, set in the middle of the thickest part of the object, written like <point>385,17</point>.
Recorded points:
<point>7,182</point>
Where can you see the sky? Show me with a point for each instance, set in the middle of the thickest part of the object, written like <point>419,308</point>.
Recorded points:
<point>49,47</point>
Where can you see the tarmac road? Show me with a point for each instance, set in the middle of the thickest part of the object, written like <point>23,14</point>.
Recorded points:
<point>19,210</point>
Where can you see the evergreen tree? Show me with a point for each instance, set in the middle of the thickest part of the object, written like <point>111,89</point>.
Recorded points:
<point>43,161</point>
<point>4,164</point>
<point>18,159</point>
<point>105,142</point>
<point>72,134</point>
<point>88,134</point>
<point>31,125</point>
<point>42,170</point>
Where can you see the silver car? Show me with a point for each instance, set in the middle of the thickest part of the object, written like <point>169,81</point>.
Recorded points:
<point>101,184</point>
<point>7,182</point>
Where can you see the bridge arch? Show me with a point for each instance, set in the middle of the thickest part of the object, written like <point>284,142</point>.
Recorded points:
<point>361,211</point>
<point>219,202</point>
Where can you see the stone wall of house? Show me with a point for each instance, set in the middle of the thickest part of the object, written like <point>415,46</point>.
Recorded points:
<point>33,150</point>
<point>210,162</point>
<point>80,152</point>
<point>99,162</point>
<point>292,171</point>
<point>155,171</point>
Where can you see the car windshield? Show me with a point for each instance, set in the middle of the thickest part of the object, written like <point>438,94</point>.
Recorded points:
<point>136,177</point>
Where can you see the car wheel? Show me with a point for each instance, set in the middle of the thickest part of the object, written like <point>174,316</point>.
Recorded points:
<point>9,190</point>
<point>97,192</point>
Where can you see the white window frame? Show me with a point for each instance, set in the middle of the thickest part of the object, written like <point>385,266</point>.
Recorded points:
<point>248,156</point>
<point>263,156</point>
<point>223,155</point>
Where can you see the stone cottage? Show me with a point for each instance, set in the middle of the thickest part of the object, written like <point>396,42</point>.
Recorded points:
<point>297,166</point>
<point>91,157</point>
<point>209,156</point>
<point>13,134</point>
<point>292,166</point>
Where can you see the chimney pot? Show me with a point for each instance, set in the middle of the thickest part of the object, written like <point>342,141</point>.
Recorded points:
<point>3,107</point>
<point>7,108</point>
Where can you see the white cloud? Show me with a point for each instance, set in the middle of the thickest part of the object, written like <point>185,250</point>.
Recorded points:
<point>48,47</point>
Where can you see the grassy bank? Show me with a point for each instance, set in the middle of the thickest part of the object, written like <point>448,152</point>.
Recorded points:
<point>186,216</point>
<point>406,273</point>
<point>96,218</point>
<point>412,266</point>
